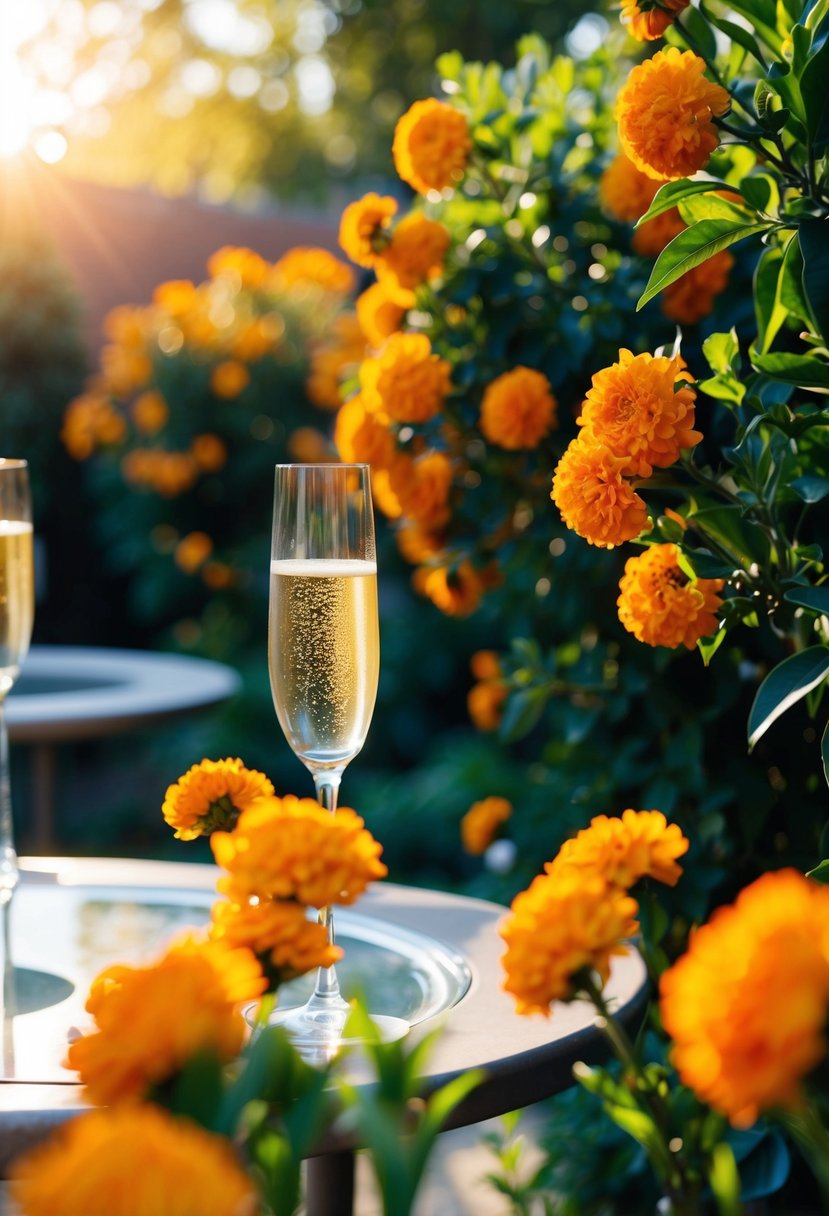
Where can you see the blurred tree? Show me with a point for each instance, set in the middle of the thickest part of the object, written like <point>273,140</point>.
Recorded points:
<point>245,99</point>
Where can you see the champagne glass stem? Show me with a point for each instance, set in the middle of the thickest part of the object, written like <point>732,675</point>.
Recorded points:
<point>327,988</point>
<point>8,857</point>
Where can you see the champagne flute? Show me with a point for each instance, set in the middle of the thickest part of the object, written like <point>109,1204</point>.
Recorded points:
<point>16,618</point>
<point>324,664</point>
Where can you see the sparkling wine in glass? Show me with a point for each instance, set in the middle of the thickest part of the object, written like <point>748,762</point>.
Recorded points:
<point>16,618</point>
<point>324,663</point>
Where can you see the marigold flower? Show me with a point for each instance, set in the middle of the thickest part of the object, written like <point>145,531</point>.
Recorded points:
<point>625,191</point>
<point>746,1005</point>
<point>307,445</point>
<point>176,296</point>
<point>278,932</point>
<point>209,452</point>
<point>91,421</point>
<point>132,1161</point>
<point>485,703</point>
<point>624,849</point>
<point>647,20</point>
<point>362,436</point>
<point>168,473</point>
<point>481,822</point>
<point>431,145</point>
<point>212,795</point>
<point>414,254</point>
<point>150,412</point>
<point>635,409</point>
<point>125,369</point>
<point>456,590</point>
<point>518,409</point>
<point>229,378</point>
<point>310,266</point>
<point>291,848</point>
<point>665,113</point>
<point>382,493</point>
<point>405,380</point>
<point>218,575</point>
<point>564,924</point>
<point>363,227</point>
<point>418,544</point>
<point>660,605</point>
<point>593,496</point>
<point>152,1020</point>
<point>192,551</point>
<point>691,297</point>
<point>334,359</point>
<point>485,665</point>
<point>378,314</point>
<point>248,268</point>
<point>127,326</point>
<point>422,487</point>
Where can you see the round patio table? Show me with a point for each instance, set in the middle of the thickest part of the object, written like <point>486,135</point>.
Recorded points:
<point>72,693</point>
<point>426,955</point>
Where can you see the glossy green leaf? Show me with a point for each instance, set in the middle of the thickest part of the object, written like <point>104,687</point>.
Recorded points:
<point>693,247</point>
<point>760,190</point>
<point>809,488</point>
<point>790,287</point>
<point>813,236</point>
<point>711,206</point>
<point>722,351</point>
<point>728,526</point>
<point>803,370</point>
<point>769,311</point>
<point>814,88</point>
<point>724,1180</point>
<point>784,686</point>
<point>821,871</point>
<point>814,598</point>
<point>708,647</point>
<point>737,33</point>
<point>762,17</point>
<point>671,193</point>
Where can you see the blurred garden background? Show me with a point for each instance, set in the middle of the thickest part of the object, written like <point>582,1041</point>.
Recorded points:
<point>219,251</point>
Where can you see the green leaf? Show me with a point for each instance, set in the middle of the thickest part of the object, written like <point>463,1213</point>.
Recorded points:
<point>671,193</point>
<point>711,206</point>
<point>522,712</point>
<point>704,564</point>
<point>786,684</point>
<point>693,247</point>
<point>762,17</point>
<point>809,488</point>
<point>708,647</point>
<point>722,351</point>
<point>815,93</point>
<point>701,33</point>
<point>760,190</point>
<point>737,33</point>
<point>813,235</point>
<point>790,289</point>
<point>821,871</point>
<point>768,310</point>
<point>731,529</point>
<point>802,370</point>
<point>724,1180</point>
<point>816,599</point>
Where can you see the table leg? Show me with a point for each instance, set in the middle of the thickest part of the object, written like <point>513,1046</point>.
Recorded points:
<point>43,797</point>
<point>329,1189</point>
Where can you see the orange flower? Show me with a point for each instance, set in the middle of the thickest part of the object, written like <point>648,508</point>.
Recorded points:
<point>481,822</point>
<point>625,191</point>
<point>485,665</point>
<point>378,314</point>
<point>192,551</point>
<point>650,238</point>
<point>133,1161</point>
<point>623,850</point>
<point>485,703</point>
<point>150,412</point>
<point>593,496</point>
<point>218,575</point>
<point>562,925</point>
<point>405,380</point>
<point>692,296</point>
<point>126,326</point>
<point>362,436</point>
<point>278,932</point>
<point>518,409</point>
<point>455,590</point>
<point>635,409</point>
<point>661,606</point>
<point>431,145</point>
<point>418,544</point>
<point>648,19</point>
<point>310,266</point>
<point>747,1005</point>
<point>290,848</point>
<point>229,378</point>
<point>334,359</point>
<point>209,452</point>
<point>307,445</point>
<point>383,495</point>
<point>363,227</point>
<point>665,113</point>
<point>152,1020</point>
<point>212,795</point>
<point>168,473</point>
<point>423,487</point>
<point>90,421</point>
<point>236,262</point>
<point>125,369</point>
<point>414,254</point>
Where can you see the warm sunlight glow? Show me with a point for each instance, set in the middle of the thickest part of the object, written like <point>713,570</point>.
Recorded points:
<point>19,102</point>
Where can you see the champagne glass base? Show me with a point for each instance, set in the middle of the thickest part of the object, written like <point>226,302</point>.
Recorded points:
<point>318,1030</point>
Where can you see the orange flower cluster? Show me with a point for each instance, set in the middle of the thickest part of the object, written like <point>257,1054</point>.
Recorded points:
<point>278,932</point>
<point>333,358</point>
<point>665,113</point>
<point>647,20</point>
<point>364,228</point>
<point>167,473</point>
<point>627,193</point>
<point>132,1161</point>
<point>91,422</point>
<point>405,381</point>
<point>518,409</point>
<point>309,268</point>
<point>457,590</point>
<point>150,413</point>
<point>481,823</point>
<point>291,848</point>
<point>414,255</point>
<point>211,796</point>
<point>151,1020</point>
<point>378,315</point>
<point>638,415</point>
<point>577,915</point>
<point>485,699</point>
<point>661,606</point>
<point>431,146</point>
<point>747,1005</point>
<point>229,378</point>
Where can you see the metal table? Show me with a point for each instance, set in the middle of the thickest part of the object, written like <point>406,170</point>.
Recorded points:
<point>71,693</point>
<point>439,952</point>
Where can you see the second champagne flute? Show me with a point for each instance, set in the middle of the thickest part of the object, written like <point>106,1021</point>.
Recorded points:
<point>324,663</point>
